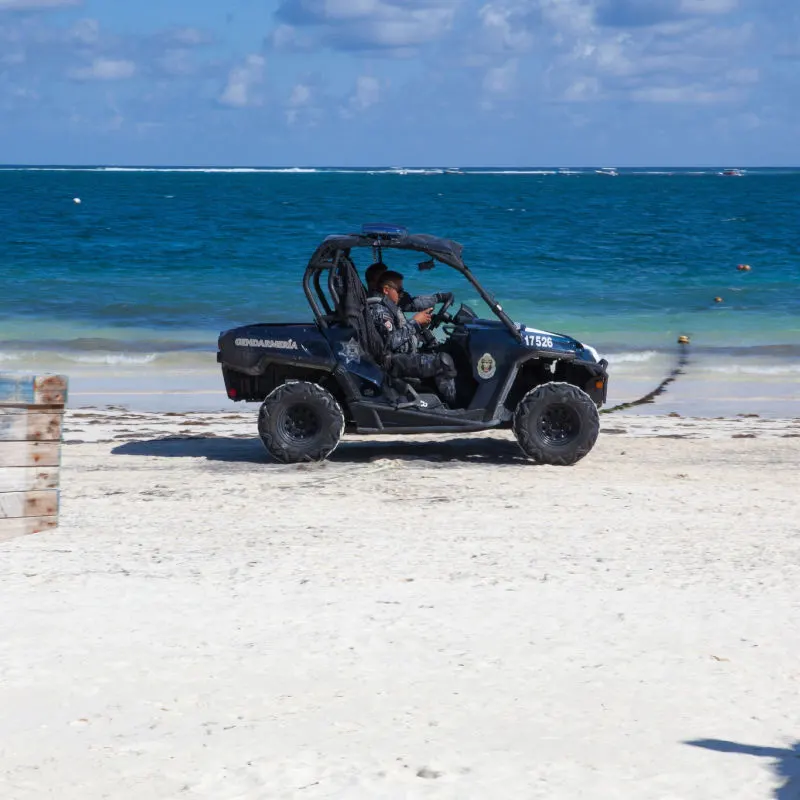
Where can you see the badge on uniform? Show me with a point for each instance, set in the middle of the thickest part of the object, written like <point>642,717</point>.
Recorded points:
<point>388,325</point>
<point>487,366</point>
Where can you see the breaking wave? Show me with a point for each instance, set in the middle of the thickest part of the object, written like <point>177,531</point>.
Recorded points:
<point>631,358</point>
<point>755,369</point>
<point>111,359</point>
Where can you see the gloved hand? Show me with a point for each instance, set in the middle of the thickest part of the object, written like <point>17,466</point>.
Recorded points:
<point>445,297</point>
<point>428,339</point>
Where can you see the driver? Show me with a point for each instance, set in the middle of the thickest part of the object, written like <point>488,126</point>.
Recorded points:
<point>401,339</point>
<point>373,274</point>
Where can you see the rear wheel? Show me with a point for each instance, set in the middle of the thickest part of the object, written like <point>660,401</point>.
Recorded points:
<point>556,423</point>
<point>300,421</point>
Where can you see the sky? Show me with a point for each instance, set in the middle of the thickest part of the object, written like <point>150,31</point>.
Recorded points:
<point>400,82</point>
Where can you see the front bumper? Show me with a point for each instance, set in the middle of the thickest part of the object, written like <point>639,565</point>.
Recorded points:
<point>597,386</point>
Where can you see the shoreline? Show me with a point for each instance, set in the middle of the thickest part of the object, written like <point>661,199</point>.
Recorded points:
<point>708,385</point>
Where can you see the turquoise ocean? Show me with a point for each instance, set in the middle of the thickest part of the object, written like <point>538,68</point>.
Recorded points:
<point>127,290</point>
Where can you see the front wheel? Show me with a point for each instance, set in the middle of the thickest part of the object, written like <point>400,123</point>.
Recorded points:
<point>556,423</point>
<point>300,421</point>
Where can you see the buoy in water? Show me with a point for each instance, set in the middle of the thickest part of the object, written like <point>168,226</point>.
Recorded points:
<point>76,200</point>
<point>717,299</point>
<point>743,267</point>
<point>683,340</point>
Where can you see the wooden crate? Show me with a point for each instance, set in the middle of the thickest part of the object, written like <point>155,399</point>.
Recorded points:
<point>31,423</point>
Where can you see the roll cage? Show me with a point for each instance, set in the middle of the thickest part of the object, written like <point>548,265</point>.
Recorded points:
<point>334,251</point>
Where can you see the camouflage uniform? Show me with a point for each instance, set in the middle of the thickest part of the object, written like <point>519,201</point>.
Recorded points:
<point>401,340</point>
<point>418,303</point>
<point>422,301</point>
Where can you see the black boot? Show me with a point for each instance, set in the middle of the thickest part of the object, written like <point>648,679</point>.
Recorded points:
<point>447,389</point>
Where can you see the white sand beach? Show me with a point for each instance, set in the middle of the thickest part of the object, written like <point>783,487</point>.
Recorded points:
<point>420,617</point>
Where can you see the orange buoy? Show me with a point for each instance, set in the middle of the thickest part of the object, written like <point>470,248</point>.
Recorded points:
<point>743,267</point>
<point>683,340</point>
<point>717,299</point>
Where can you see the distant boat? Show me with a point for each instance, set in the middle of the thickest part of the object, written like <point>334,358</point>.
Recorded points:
<point>453,171</point>
<point>733,173</point>
<point>607,171</point>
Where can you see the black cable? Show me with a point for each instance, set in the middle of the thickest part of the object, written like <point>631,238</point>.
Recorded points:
<point>683,360</point>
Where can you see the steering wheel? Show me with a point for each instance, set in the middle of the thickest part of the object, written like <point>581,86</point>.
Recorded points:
<point>441,315</point>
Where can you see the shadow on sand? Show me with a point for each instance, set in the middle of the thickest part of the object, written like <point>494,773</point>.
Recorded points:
<point>787,762</point>
<point>470,450</point>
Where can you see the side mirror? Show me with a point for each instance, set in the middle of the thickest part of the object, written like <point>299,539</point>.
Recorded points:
<point>426,265</point>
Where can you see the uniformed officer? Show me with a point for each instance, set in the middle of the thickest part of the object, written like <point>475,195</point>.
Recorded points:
<point>401,338</point>
<point>373,275</point>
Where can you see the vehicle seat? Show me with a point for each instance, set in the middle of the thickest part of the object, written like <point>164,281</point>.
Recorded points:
<point>351,310</point>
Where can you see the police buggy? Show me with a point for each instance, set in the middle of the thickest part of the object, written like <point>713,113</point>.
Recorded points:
<point>317,380</point>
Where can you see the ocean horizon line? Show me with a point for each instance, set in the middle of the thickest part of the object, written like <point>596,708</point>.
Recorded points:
<point>396,166</point>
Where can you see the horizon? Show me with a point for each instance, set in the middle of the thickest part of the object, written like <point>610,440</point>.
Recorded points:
<point>392,166</point>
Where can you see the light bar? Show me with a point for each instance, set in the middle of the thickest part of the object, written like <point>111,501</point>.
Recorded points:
<point>382,230</point>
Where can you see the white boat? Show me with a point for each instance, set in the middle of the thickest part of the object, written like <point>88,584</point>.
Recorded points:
<point>453,171</point>
<point>607,171</point>
<point>733,173</point>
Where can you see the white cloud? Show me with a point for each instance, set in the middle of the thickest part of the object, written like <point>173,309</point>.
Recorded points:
<point>667,51</point>
<point>397,27</point>
<point>697,95</point>
<point>582,90</point>
<point>33,5</point>
<point>708,6</point>
<point>502,30</point>
<point>367,93</point>
<point>500,80</point>
<point>105,69</point>
<point>575,17</point>
<point>177,62</point>
<point>13,59</point>
<point>300,95</point>
<point>286,38</point>
<point>85,31</point>
<point>743,76</point>
<point>238,91</point>
<point>190,37</point>
<point>299,99</point>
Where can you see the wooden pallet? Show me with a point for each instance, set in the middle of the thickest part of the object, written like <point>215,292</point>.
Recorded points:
<point>31,421</point>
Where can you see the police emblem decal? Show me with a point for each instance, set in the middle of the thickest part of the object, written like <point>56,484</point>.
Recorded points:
<point>487,366</point>
<point>350,351</point>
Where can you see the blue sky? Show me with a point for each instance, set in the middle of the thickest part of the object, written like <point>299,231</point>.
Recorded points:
<point>400,82</point>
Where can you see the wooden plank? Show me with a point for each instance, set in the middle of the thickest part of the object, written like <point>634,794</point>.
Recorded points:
<point>29,408</point>
<point>30,454</point>
<point>48,390</point>
<point>31,426</point>
<point>24,526</point>
<point>29,504</point>
<point>28,479</point>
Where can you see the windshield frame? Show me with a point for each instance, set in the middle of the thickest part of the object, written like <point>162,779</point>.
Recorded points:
<point>333,248</point>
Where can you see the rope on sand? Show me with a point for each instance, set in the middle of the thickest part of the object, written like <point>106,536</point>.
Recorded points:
<point>683,360</point>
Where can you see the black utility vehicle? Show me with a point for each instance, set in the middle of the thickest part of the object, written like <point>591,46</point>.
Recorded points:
<point>318,379</point>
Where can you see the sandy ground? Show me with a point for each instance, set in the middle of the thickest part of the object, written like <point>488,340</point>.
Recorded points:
<point>413,619</point>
